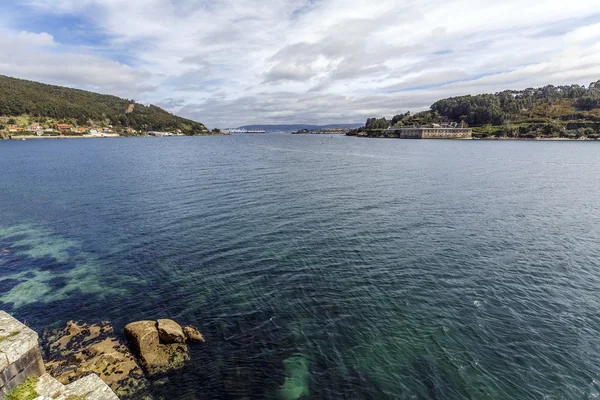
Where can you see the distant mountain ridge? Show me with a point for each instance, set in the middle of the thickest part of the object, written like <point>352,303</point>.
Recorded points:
<point>297,127</point>
<point>41,102</point>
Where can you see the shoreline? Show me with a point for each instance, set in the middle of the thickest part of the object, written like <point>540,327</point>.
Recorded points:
<point>542,139</point>
<point>337,134</point>
<point>94,137</point>
<point>60,137</point>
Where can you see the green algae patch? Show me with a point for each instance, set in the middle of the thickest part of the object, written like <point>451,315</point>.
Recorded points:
<point>6,337</point>
<point>25,391</point>
<point>296,380</point>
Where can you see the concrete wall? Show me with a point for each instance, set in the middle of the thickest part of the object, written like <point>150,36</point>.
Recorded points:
<point>432,133</point>
<point>411,133</point>
<point>20,355</point>
<point>447,133</point>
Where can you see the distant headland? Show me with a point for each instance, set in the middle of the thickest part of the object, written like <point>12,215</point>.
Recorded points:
<point>570,112</point>
<point>35,110</point>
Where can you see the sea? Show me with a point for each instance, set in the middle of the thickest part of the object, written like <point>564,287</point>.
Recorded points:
<point>319,266</point>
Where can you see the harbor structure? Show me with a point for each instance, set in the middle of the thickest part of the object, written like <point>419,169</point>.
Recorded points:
<point>432,131</point>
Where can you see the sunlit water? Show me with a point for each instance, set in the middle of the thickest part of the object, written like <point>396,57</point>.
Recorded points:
<point>320,266</point>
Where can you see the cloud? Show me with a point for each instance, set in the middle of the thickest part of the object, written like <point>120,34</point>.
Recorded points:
<point>36,56</point>
<point>289,72</point>
<point>20,41</point>
<point>232,62</point>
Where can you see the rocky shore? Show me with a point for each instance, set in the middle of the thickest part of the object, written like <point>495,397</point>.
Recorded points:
<point>160,345</point>
<point>153,350</point>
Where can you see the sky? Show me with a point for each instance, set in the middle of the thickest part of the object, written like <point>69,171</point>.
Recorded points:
<point>228,63</point>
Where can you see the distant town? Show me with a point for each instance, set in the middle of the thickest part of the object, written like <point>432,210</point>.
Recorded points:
<point>61,130</point>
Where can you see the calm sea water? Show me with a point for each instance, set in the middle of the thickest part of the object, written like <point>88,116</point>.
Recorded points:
<point>320,267</point>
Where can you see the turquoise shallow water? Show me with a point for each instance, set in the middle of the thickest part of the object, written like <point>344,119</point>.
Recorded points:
<point>320,267</point>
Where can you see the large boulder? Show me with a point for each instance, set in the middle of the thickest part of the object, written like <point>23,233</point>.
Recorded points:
<point>79,349</point>
<point>170,331</point>
<point>142,335</point>
<point>156,357</point>
<point>193,334</point>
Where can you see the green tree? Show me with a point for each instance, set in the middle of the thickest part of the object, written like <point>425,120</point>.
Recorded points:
<point>374,123</point>
<point>587,132</point>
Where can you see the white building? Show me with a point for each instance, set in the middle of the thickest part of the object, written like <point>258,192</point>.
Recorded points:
<point>433,131</point>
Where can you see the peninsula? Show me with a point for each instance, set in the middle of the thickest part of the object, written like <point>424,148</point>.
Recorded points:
<point>570,112</point>
<point>36,110</point>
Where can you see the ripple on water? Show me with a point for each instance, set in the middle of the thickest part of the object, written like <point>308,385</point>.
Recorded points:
<point>320,267</point>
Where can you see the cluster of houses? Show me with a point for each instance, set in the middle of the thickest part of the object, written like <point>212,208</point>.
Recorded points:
<point>68,129</point>
<point>65,128</point>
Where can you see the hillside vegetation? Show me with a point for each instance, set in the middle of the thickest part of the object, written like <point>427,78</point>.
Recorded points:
<point>48,104</point>
<point>550,111</point>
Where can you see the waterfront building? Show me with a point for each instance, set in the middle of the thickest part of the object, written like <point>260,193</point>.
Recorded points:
<point>433,131</point>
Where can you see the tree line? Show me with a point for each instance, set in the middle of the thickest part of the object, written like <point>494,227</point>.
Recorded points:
<point>551,111</point>
<point>557,102</point>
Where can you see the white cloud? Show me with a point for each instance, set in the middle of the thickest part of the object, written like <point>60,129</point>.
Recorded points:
<point>36,56</point>
<point>24,41</point>
<point>230,62</point>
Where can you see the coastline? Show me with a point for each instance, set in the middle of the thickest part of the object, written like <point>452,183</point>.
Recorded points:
<point>541,139</point>
<point>61,137</point>
<point>115,136</point>
<point>94,137</point>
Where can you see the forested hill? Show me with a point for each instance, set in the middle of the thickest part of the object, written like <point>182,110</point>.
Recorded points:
<point>41,102</point>
<point>571,111</point>
<point>564,103</point>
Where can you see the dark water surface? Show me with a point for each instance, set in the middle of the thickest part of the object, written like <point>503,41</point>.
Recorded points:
<point>318,266</point>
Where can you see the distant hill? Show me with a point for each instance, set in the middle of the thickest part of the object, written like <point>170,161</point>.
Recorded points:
<point>564,103</point>
<point>570,111</point>
<point>297,127</point>
<point>41,102</point>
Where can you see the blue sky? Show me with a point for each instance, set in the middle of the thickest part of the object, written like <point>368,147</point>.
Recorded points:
<point>233,62</point>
